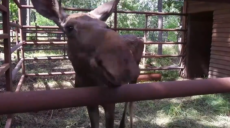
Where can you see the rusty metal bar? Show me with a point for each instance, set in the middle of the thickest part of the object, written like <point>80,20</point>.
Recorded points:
<point>141,77</point>
<point>45,43</point>
<point>48,27</point>
<point>6,41</point>
<point>3,8</point>
<point>47,58</point>
<point>162,68</point>
<point>8,121</point>
<point>34,49</point>
<point>77,97</point>
<point>9,117</point>
<point>123,29</point>
<point>118,11</point>
<point>61,42</point>
<point>51,73</point>
<point>149,77</point>
<point>160,56</point>
<point>151,42</point>
<point>18,88</point>
<point>15,25</point>
<point>42,31</point>
<point>17,42</point>
<point>4,36</point>
<point>16,69</point>
<point>16,47</point>
<point>115,18</point>
<point>149,29</point>
<point>4,68</point>
<point>17,3</point>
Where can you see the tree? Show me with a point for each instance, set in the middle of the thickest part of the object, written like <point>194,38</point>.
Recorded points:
<point>160,26</point>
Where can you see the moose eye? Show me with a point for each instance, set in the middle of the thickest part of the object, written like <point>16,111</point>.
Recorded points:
<point>69,28</point>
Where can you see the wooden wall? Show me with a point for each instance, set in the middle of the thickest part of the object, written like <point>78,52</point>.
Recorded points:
<point>220,46</point>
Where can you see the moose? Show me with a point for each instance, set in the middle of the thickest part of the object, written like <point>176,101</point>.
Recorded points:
<point>98,54</point>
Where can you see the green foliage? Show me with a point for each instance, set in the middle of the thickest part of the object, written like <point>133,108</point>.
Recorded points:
<point>42,21</point>
<point>13,11</point>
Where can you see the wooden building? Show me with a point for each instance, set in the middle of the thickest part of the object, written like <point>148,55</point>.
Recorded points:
<point>208,39</point>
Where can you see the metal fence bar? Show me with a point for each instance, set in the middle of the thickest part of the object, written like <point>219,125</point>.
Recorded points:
<point>77,97</point>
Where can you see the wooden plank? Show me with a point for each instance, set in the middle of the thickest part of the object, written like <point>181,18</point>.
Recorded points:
<point>220,48</point>
<point>216,30</point>
<point>222,16</point>
<point>220,57</point>
<point>221,62</point>
<point>219,35</point>
<point>4,68</point>
<point>218,21</point>
<point>221,44</point>
<point>224,25</point>
<point>220,53</point>
<point>220,66</point>
<point>223,39</point>
<point>221,11</point>
<point>216,75</point>
<point>223,71</point>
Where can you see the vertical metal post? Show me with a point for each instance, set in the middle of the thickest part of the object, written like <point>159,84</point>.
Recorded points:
<point>6,41</point>
<point>21,39</point>
<point>16,40</point>
<point>36,32</point>
<point>115,19</point>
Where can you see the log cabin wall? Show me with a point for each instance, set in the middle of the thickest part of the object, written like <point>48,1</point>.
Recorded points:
<point>219,60</point>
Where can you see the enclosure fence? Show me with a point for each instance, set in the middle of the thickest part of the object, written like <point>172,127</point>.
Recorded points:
<point>13,101</point>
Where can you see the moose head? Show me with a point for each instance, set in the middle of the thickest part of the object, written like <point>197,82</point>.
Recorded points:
<point>98,54</point>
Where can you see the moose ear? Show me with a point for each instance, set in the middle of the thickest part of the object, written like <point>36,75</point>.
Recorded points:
<point>105,10</point>
<point>50,9</point>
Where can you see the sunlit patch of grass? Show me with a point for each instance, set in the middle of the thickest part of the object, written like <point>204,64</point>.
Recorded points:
<point>43,53</point>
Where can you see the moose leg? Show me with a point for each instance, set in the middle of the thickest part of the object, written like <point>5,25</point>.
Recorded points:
<point>109,115</point>
<point>122,123</point>
<point>93,116</point>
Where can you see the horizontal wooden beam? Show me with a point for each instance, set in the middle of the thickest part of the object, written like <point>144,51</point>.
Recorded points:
<point>217,1</point>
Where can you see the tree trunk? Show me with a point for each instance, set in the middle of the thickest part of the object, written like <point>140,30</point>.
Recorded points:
<point>23,16</point>
<point>160,26</point>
